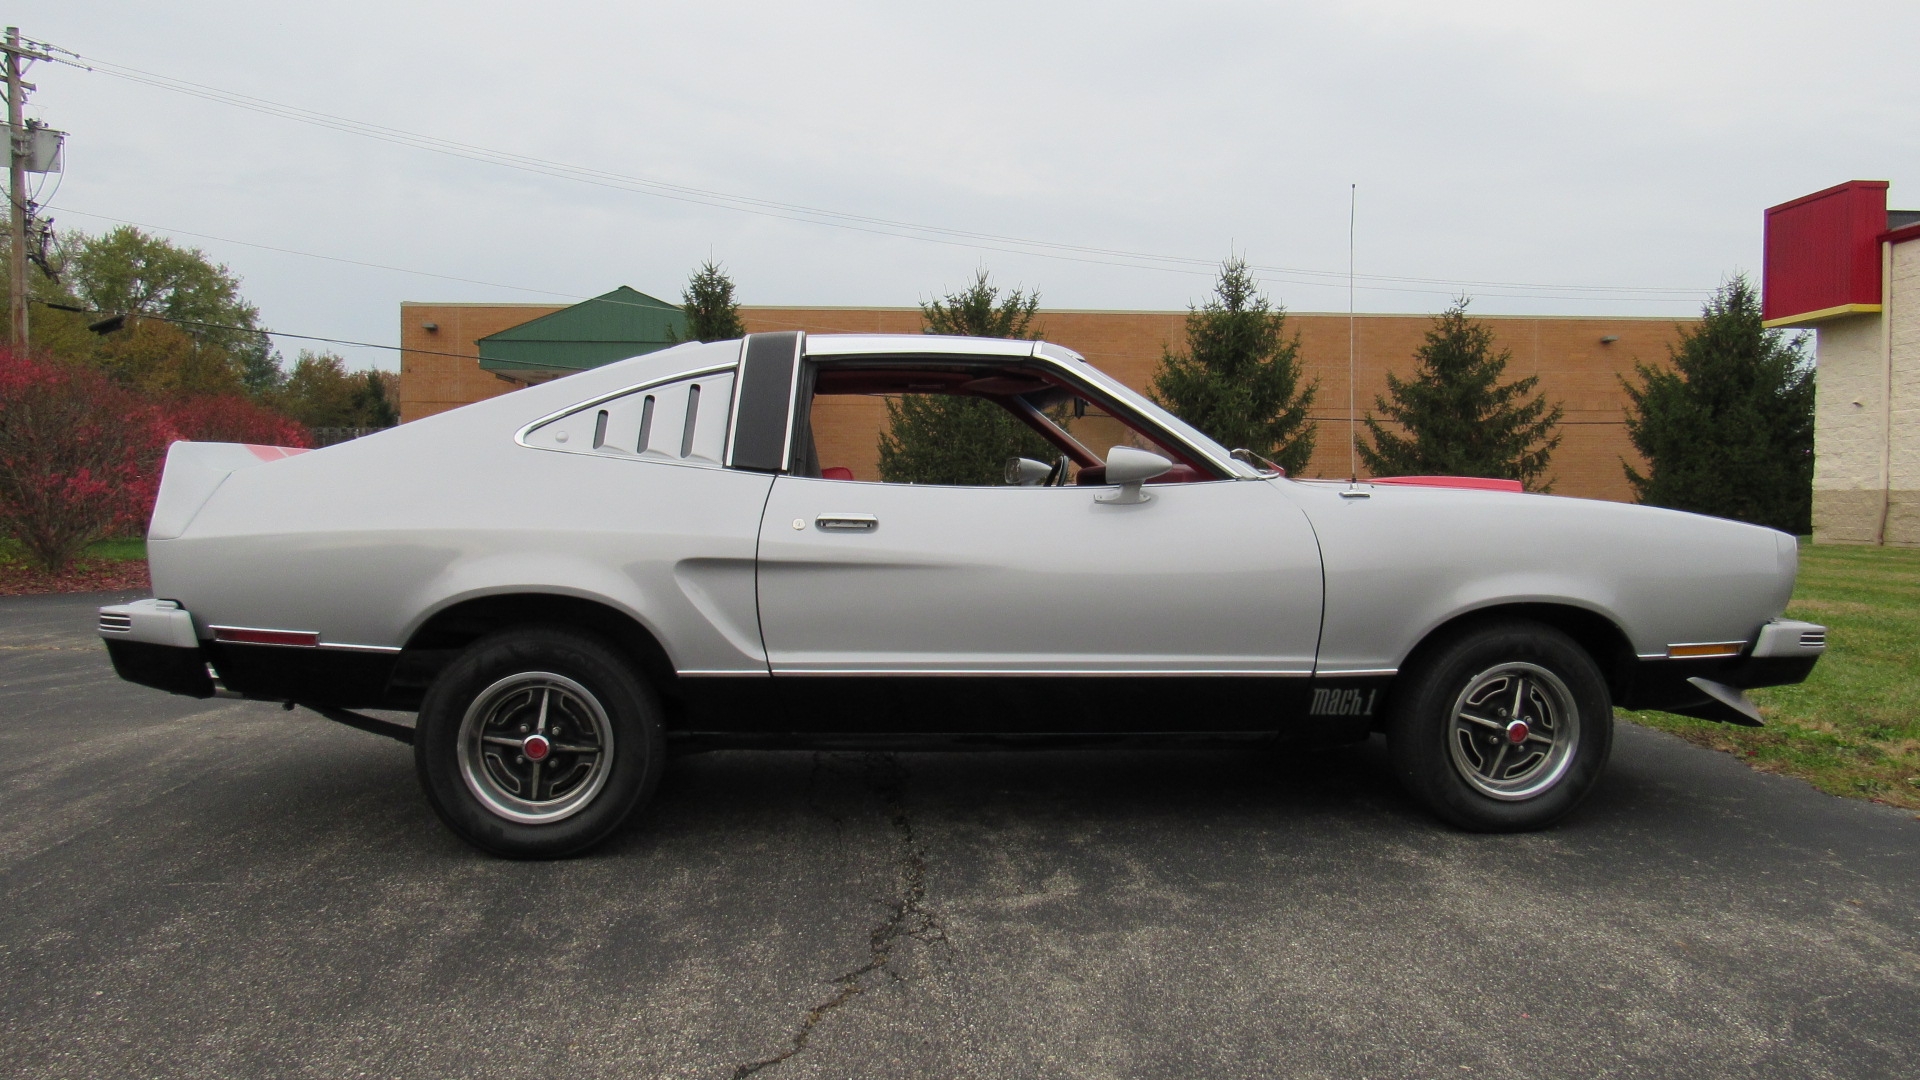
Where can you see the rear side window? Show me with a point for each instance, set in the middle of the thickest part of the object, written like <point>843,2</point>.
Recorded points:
<point>678,421</point>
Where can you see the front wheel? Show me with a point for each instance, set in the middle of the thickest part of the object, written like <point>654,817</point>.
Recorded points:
<point>1505,728</point>
<point>537,742</point>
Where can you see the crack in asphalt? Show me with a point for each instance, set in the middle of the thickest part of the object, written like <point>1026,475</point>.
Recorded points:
<point>907,915</point>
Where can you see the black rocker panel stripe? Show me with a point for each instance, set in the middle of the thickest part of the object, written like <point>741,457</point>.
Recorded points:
<point>765,402</point>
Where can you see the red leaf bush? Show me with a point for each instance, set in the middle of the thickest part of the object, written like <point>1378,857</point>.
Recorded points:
<point>80,455</point>
<point>79,458</point>
<point>231,418</point>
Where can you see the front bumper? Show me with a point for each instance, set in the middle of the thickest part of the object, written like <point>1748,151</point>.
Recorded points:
<point>1714,688</point>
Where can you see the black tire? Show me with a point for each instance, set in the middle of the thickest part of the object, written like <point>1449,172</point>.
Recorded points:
<point>516,710</point>
<point>1454,743</point>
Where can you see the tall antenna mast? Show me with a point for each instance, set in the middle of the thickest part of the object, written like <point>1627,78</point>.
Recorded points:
<point>1353,443</point>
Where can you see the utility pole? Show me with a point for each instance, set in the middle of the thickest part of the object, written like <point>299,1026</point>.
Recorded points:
<point>16,194</point>
<point>17,153</point>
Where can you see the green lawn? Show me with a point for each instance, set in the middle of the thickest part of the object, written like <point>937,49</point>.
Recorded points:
<point>135,548</point>
<point>1853,728</point>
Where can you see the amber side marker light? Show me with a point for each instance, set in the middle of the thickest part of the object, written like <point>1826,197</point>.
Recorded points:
<point>1712,648</point>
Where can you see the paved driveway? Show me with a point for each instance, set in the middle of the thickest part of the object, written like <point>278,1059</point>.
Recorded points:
<point>227,889</point>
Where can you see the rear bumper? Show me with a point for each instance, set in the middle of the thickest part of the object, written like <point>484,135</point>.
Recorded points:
<point>154,643</point>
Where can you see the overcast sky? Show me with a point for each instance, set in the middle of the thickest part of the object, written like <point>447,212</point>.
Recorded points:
<point>1533,154</point>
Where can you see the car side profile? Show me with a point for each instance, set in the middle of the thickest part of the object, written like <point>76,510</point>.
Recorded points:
<point>676,552</point>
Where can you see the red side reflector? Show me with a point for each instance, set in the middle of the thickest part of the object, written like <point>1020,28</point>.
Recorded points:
<point>1478,483</point>
<point>245,636</point>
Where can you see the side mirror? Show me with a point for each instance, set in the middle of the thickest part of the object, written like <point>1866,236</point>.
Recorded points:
<point>1131,468</point>
<point>1027,472</point>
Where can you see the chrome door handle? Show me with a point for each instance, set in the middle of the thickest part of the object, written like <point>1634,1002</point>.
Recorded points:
<point>846,522</point>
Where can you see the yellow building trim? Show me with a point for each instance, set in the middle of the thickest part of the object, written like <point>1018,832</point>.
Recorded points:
<point>1824,313</point>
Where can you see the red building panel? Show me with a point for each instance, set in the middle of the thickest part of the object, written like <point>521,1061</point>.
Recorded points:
<point>1823,253</point>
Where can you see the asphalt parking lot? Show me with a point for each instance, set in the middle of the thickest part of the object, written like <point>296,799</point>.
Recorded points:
<point>226,889</point>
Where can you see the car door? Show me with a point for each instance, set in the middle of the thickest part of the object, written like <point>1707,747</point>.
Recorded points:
<point>882,579</point>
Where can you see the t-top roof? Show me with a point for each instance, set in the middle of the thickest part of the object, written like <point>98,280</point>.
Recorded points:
<point>614,326</point>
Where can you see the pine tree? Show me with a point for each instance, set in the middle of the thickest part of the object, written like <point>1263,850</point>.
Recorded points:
<point>1729,430</point>
<point>712,312</point>
<point>951,439</point>
<point>978,311</point>
<point>1239,380</point>
<point>1458,418</point>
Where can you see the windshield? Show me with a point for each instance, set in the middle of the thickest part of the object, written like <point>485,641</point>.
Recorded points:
<point>1189,434</point>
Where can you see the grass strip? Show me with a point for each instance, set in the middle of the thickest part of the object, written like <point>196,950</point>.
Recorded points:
<point>107,566</point>
<point>1853,728</point>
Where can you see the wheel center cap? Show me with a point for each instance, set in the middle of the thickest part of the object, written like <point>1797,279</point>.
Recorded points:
<point>1516,732</point>
<point>536,747</point>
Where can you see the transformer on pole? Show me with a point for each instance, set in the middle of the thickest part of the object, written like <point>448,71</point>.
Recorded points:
<point>30,148</point>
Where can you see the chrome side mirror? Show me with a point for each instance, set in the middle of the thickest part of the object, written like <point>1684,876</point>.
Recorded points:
<point>1027,472</point>
<point>1131,468</point>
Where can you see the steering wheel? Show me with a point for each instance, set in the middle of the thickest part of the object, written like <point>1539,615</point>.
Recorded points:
<point>1057,476</point>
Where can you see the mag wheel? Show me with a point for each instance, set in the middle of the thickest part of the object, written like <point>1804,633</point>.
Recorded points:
<point>1503,729</point>
<point>538,742</point>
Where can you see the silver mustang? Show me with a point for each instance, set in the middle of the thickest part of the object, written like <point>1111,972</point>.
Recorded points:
<point>569,581</point>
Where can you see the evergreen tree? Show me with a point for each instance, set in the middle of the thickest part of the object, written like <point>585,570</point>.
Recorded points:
<point>978,311</point>
<point>1457,417</point>
<point>952,439</point>
<point>1729,430</point>
<point>377,399</point>
<point>1239,380</point>
<point>712,312</point>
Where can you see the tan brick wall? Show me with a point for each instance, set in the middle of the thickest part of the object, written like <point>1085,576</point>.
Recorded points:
<point>1566,352</point>
<point>432,380</point>
<point>1860,477</point>
<point>1903,314</point>
<point>1849,428</point>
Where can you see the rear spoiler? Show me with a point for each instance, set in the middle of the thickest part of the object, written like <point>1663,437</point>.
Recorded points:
<point>194,470</point>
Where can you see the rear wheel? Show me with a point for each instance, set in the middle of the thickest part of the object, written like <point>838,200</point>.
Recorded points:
<point>538,742</point>
<point>1503,729</point>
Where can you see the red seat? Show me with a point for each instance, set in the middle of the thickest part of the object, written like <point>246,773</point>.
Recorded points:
<point>837,472</point>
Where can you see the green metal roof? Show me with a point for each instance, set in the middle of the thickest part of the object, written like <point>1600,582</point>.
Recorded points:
<point>622,323</point>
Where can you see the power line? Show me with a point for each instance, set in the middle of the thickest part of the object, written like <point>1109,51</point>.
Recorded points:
<point>315,255</point>
<point>855,222</point>
<point>382,266</point>
<point>175,320</point>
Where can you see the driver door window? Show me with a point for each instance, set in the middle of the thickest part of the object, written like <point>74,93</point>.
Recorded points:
<point>961,426</point>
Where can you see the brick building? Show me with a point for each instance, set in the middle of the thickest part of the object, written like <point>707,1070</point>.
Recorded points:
<point>447,362</point>
<point>1839,263</point>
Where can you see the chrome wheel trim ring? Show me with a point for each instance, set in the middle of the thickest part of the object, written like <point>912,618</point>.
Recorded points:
<point>1479,731</point>
<point>511,709</point>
